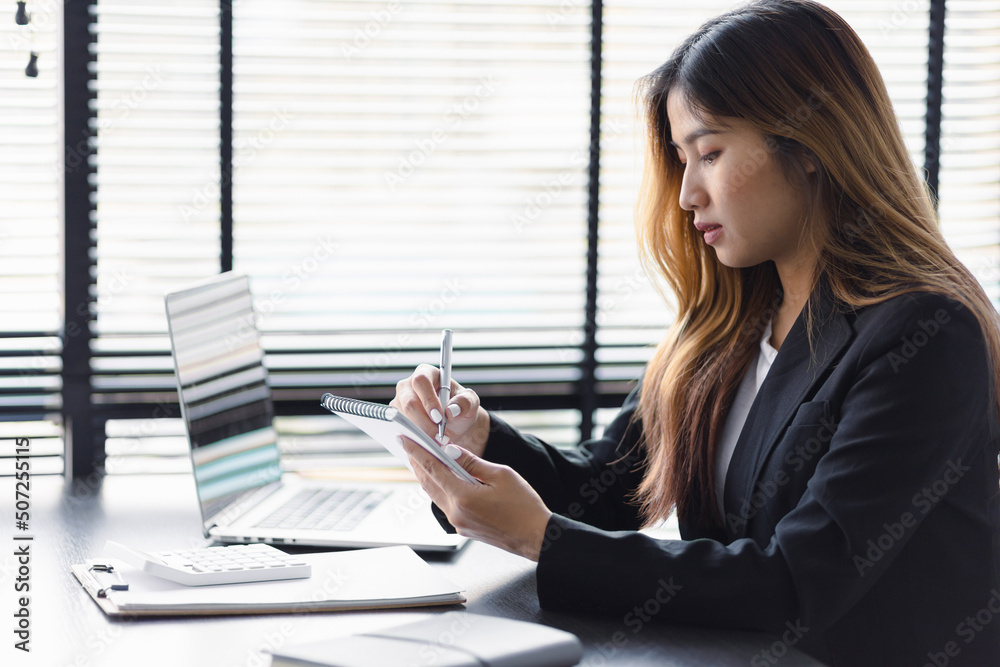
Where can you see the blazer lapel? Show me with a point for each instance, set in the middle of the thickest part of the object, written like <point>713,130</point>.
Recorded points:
<point>796,369</point>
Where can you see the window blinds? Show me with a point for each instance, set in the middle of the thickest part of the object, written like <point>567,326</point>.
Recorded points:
<point>969,205</point>
<point>157,175</point>
<point>30,237</point>
<point>402,167</point>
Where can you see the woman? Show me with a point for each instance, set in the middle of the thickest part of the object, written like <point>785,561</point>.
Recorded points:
<point>822,415</point>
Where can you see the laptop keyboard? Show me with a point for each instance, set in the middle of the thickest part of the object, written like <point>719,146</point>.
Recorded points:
<point>325,509</point>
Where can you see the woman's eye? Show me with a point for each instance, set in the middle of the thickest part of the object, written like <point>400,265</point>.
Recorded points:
<point>710,157</point>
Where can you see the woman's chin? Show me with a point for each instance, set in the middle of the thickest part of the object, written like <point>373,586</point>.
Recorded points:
<point>733,260</point>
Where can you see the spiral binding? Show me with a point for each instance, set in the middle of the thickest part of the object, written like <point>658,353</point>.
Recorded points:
<point>353,406</point>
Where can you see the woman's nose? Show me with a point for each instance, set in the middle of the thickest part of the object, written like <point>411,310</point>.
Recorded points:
<point>693,193</point>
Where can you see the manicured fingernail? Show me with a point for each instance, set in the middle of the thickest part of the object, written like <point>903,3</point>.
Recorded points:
<point>453,452</point>
<point>435,415</point>
<point>454,409</point>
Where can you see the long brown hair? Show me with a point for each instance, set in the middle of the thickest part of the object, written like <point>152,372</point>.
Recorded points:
<point>796,72</point>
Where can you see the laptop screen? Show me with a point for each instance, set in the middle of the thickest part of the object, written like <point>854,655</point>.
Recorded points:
<point>223,392</point>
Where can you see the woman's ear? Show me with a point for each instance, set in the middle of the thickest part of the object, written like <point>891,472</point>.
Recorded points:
<point>809,160</point>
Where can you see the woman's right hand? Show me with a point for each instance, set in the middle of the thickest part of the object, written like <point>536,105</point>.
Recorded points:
<point>468,424</point>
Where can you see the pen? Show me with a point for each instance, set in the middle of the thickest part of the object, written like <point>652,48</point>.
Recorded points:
<point>444,388</point>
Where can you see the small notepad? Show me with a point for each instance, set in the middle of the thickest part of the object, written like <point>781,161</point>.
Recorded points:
<point>387,424</point>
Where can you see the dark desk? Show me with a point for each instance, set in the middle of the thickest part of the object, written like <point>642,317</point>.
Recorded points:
<point>159,513</point>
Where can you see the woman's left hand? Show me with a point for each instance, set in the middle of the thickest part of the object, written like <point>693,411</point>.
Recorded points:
<point>503,511</point>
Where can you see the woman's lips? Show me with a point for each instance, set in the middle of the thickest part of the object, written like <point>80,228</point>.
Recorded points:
<point>711,230</point>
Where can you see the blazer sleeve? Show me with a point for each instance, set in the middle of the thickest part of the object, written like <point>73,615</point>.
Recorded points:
<point>907,421</point>
<point>591,483</point>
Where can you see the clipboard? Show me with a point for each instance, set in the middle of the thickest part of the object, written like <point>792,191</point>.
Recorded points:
<point>380,578</point>
<point>93,576</point>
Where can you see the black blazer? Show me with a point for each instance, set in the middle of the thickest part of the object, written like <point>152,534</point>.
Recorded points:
<point>862,508</point>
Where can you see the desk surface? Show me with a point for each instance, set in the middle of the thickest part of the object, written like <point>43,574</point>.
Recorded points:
<point>159,513</point>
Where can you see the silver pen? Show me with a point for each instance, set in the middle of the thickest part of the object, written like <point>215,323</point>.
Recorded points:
<point>444,388</point>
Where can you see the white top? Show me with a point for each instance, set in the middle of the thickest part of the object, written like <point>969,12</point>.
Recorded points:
<point>737,416</point>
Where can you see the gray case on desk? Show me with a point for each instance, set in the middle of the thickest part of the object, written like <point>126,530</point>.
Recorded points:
<point>452,639</point>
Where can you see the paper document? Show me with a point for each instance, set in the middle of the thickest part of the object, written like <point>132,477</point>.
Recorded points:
<point>362,579</point>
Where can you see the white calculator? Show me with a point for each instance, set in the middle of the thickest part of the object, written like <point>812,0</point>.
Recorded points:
<point>239,563</point>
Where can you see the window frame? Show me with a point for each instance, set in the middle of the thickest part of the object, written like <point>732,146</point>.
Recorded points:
<point>84,418</point>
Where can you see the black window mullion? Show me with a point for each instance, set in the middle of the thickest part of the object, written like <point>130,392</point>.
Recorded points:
<point>84,441</point>
<point>588,384</point>
<point>226,130</point>
<point>935,82</point>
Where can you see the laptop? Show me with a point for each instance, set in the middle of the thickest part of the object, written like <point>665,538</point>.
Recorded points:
<point>225,401</point>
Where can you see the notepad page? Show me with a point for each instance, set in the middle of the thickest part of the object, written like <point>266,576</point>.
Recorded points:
<point>386,432</point>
